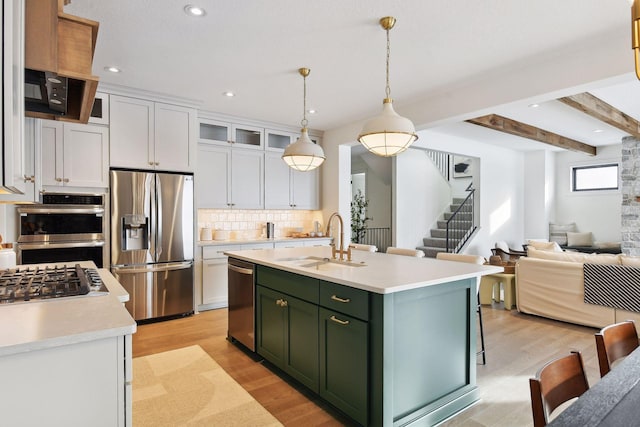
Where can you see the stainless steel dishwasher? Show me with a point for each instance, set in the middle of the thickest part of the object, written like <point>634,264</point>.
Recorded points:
<point>241,303</point>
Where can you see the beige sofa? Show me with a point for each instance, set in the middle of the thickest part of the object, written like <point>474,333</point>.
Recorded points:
<point>551,284</point>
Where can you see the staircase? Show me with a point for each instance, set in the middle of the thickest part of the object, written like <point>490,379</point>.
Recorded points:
<point>459,230</point>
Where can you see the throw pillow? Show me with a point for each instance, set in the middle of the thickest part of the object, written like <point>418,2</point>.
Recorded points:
<point>579,239</point>
<point>558,232</point>
<point>544,246</point>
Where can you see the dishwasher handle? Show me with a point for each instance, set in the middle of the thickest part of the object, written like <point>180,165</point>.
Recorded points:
<point>240,270</point>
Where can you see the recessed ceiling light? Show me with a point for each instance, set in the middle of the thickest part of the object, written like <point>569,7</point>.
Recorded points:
<point>229,94</point>
<point>192,10</point>
<point>598,130</point>
<point>534,105</point>
<point>113,69</point>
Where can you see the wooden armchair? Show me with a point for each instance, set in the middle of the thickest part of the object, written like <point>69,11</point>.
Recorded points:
<point>510,255</point>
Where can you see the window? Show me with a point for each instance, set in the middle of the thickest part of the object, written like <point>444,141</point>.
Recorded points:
<point>594,177</point>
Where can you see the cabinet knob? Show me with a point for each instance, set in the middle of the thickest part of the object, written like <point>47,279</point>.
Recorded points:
<point>65,180</point>
<point>150,163</point>
<point>157,163</point>
<point>28,178</point>
<point>58,179</point>
<point>281,302</point>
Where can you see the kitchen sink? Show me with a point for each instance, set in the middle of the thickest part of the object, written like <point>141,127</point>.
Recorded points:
<point>319,263</point>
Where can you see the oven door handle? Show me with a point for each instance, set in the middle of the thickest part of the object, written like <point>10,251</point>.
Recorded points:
<point>92,244</point>
<point>56,210</point>
<point>170,266</point>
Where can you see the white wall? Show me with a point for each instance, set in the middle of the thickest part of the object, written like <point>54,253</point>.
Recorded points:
<point>498,186</point>
<point>539,193</point>
<point>421,195</point>
<point>377,190</point>
<point>595,211</point>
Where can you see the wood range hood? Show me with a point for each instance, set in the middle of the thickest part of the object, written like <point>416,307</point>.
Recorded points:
<point>61,44</point>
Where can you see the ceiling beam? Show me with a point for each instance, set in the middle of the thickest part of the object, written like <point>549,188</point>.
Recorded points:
<point>513,127</point>
<point>597,108</point>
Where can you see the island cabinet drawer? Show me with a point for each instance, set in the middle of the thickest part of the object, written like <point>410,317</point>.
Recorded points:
<point>305,288</point>
<point>351,301</point>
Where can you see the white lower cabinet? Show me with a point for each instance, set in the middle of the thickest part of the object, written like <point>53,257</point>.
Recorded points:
<point>74,155</point>
<point>83,384</point>
<point>214,280</point>
<point>214,276</point>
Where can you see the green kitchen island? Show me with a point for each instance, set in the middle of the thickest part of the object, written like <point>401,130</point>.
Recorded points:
<point>389,340</point>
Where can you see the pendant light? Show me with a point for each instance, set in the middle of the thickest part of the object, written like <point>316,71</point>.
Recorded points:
<point>303,155</point>
<point>635,33</point>
<point>387,134</point>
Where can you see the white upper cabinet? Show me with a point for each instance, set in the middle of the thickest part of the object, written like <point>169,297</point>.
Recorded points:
<point>278,140</point>
<point>225,134</point>
<point>151,135</point>
<point>100,111</point>
<point>286,188</point>
<point>74,155</point>
<point>174,137</point>
<point>229,178</point>
<point>132,132</point>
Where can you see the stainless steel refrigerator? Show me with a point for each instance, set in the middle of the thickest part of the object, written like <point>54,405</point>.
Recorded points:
<point>152,241</point>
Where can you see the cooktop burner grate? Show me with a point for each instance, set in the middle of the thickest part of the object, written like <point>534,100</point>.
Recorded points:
<point>40,283</point>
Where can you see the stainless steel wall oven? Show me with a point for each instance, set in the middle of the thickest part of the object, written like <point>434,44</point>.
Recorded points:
<point>64,227</point>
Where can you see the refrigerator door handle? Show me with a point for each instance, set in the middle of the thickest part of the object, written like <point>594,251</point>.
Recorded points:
<point>159,223</point>
<point>153,220</point>
<point>170,266</point>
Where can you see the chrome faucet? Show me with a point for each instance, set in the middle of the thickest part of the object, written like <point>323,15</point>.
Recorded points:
<point>341,250</point>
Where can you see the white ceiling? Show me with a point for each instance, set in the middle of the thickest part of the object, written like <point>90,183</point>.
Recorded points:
<point>254,48</point>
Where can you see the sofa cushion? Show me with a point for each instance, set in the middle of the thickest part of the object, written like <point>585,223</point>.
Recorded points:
<point>631,261</point>
<point>579,239</point>
<point>558,232</point>
<point>574,257</point>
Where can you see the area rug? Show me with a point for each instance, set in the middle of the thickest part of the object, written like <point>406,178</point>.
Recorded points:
<point>186,387</point>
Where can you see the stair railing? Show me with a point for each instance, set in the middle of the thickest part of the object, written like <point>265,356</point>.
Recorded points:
<point>442,161</point>
<point>458,228</point>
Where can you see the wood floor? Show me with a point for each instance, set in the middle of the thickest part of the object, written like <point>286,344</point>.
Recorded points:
<point>517,345</point>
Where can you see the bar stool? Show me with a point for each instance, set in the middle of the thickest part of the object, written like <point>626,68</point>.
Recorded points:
<point>471,259</point>
<point>408,252</point>
<point>365,248</point>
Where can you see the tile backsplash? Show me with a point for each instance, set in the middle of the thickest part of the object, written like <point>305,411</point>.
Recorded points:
<point>249,224</point>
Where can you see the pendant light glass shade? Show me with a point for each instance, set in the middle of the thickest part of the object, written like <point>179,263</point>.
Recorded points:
<point>388,133</point>
<point>303,155</point>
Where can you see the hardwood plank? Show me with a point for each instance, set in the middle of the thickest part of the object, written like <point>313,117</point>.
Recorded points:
<point>517,346</point>
<point>523,130</point>
<point>597,108</point>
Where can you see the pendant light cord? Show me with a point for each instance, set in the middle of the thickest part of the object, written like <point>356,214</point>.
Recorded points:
<point>304,121</point>
<point>388,88</point>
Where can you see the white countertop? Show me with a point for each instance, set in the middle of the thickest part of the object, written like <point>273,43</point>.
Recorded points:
<point>382,273</point>
<point>37,325</point>
<point>257,240</point>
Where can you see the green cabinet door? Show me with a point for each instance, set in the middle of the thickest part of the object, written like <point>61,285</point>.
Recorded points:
<point>302,358</point>
<point>344,347</point>
<point>271,318</point>
<point>287,334</point>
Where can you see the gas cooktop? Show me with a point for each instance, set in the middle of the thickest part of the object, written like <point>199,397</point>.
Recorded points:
<point>39,283</point>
